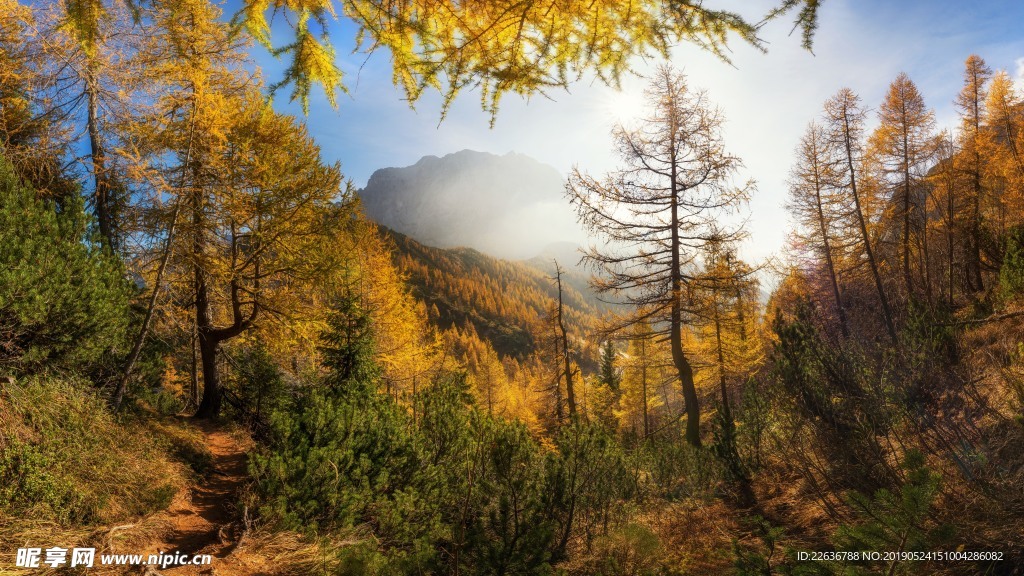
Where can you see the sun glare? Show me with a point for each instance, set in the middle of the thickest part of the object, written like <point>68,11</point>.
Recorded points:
<point>623,105</point>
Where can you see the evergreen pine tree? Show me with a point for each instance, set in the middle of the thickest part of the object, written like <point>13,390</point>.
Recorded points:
<point>63,302</point>
<point>347,350</point>
<point>897,520</point>
<point>610,376</point>
<point>1011,275</point>
<point>345,454</point>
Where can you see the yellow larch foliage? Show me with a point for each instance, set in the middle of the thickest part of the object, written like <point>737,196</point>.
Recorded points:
<point>524,47</point>
<point>1003,147</point>
<point>645,367</point>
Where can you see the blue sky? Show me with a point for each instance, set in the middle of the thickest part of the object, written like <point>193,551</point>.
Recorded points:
<point>768,99</point>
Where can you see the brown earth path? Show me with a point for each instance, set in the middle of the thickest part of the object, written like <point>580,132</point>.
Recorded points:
<point>207,522</point>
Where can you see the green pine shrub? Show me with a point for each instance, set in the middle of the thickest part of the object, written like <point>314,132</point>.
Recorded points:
<point>343,455</point>
<point>1011,274</point>
<point>897,520</point>
<point>677,470</point>
<point>509,529</point>
<point>259,385</point>
<point>63,299</point>
<point>587,480</point>
<point>840,393</point>
<point>632,550</point>
<point>437,485</point>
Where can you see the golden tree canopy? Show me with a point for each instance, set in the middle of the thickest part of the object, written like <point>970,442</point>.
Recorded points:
<point>500,46</point>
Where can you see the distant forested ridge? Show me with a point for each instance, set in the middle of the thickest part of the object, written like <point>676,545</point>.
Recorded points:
<point>503,300</point>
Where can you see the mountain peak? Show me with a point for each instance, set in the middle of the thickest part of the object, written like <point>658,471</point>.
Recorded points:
<point>567,254</point>
<point>509,206</point>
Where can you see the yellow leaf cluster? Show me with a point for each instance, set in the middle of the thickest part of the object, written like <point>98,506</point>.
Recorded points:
<point>499,46</point>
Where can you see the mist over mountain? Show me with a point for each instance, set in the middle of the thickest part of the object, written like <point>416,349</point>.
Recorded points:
<point>569,256</point>
<point>507,206</point>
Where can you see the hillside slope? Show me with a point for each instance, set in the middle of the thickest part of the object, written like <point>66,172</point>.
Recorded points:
<point>505,301</point>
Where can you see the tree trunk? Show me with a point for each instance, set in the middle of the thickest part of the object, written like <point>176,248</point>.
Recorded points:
<point>925,255</point>
<point>949,229</point>
<point>906,211</point>
<point>643,385</point>
<point>683,368</point>
<point>570,394</point>
<point>844,327</point>
<point>211,336</point>
<point>194,376</point>
<point>101,179</point>
<point>559,415</point>
<point>974,269</point>
<point>741,317</point>
<point>209,406</point>
<point>723,385</point>
<point>209,344</point>
<point>886,311</point>
<point>133,356</point>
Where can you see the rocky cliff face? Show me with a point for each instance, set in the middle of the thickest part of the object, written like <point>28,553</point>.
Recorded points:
<point>508,206</point>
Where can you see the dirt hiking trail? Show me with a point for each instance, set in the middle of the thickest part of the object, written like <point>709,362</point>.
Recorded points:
<point>206,521</point>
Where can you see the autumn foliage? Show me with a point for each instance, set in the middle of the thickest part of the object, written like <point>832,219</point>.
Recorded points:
<point>172,245</point>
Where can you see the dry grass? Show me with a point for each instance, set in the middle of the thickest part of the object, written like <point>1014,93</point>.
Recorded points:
<point>180,440</point>
<point>117,539</point>
<point>696,535</point>
<point>285,553</point>
<point>988,505</point>
<point>71,475</point>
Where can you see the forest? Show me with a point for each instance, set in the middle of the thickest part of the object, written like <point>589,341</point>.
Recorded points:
<point>205,346</point>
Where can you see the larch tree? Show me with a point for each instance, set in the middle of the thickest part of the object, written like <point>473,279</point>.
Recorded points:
<point>844,125</point>
<point>488,378</point>
<point>257,235</point>
<point>34,139</point>
<point>559,368</point>
<point>944,185</point>
<point>971,105</point>
<point>903,144</point>
<point>94,47</point>
<point>642,372</point>
<point>1002,139</point>
<point>242,202</point>
<point>723,294</point>
<point>88,22</point>
<point>658,211</point>
<point>817,209</point>
<point>405,345</point>
<point>724,327</point>
<point>523,47</point>
<point>563,335</point>
<point>191,57</point>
